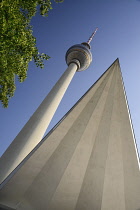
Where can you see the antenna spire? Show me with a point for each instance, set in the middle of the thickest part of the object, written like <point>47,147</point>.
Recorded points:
<point>91,37</point>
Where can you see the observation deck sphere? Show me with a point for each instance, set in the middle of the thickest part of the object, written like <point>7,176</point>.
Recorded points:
<point>80,52</point>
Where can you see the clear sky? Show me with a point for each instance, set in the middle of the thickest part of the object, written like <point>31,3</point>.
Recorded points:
<point>69,23</point>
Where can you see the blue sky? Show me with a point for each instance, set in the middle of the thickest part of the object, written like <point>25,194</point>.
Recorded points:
<point>69,23</point>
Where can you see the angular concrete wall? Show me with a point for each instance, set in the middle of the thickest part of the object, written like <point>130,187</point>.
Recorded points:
<point>88,162</point>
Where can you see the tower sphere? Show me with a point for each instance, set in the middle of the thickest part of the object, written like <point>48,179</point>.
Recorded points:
<point>79,54</point>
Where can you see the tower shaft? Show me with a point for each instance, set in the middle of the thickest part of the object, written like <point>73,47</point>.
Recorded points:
<point>34,129</point>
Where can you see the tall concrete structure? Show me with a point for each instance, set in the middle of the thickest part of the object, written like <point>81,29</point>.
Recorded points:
<point>78,58</point>
<point>88,161</point>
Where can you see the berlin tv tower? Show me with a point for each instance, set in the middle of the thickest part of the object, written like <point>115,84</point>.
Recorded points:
<point>78,58</point>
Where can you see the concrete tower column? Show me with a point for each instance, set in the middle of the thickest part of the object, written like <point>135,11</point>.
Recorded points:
<point>78,58</point>
<point>34,129</point>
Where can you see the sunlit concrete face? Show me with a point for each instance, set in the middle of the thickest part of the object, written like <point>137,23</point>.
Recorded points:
<point>88,161</point>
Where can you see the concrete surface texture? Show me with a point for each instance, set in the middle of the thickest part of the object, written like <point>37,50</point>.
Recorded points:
<point>87,162</point>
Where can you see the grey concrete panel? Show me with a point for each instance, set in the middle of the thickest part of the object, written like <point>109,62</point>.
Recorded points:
<point>94,178</point>
<point>88,161</point>
<point>32,166</point>
<point>50,176</point>
<point>68,190</point>
<point>130,162</point>
<point>113,189</point>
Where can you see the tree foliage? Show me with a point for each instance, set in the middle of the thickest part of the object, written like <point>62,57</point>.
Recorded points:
<point>18,45</point>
